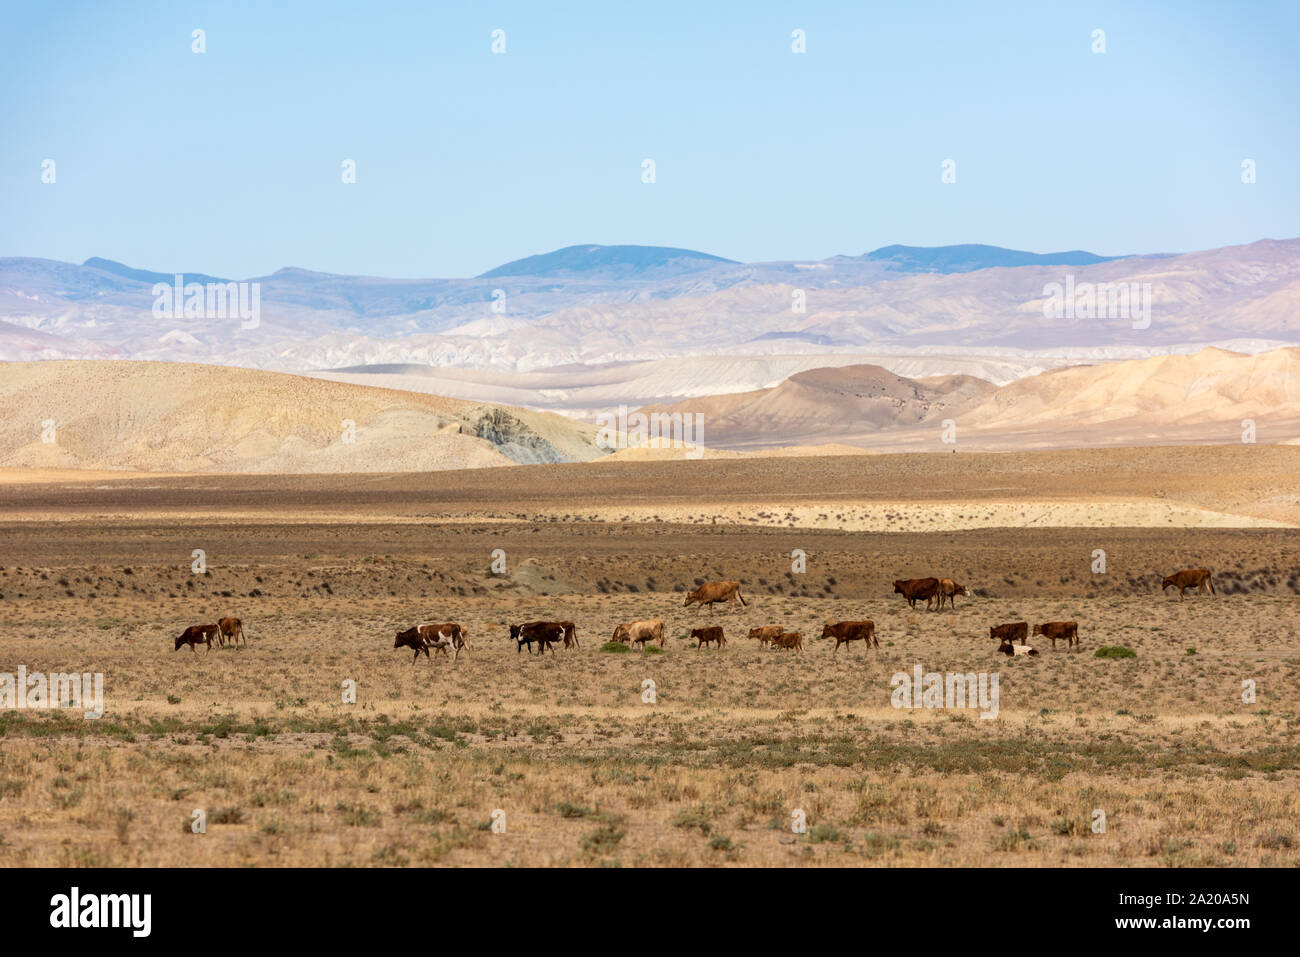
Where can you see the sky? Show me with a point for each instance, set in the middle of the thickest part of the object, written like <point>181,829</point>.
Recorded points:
<point>230,161</point>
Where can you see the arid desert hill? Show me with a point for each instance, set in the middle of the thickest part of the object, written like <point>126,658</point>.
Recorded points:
<point>181,417</point>
<point>1175,399</point>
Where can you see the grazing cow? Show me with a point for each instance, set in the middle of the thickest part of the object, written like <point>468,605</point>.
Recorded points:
<point>845,631</point>
<point>1010,632</point>
<point>766,633</point>
<point>1007,648</point>
<point>652,629</point>
<point>949,589</point>
<point>710,593</point>
<point>1198,578</point>
<point>231,628</point>
<point>194,634</point>
<point>788,639</point>
<point>703,636</point>
<point>412,638</point>
<point>914,589</point>
<point>1069,630</point>
<point>621,634</point>
<point>545,633</point>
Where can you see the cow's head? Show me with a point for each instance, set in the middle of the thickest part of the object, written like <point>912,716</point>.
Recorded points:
<point>180,640</point>
<point>1038,630</point>
<point>691,596</point>
<point>514,632</point>
<point>1168,580</point>
<point>898,588</point>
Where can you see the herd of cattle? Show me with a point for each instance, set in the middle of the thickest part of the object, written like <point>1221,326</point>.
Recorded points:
<point>546,634</point>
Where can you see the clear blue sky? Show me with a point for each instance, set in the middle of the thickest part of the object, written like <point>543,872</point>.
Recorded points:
<point>229,162</point>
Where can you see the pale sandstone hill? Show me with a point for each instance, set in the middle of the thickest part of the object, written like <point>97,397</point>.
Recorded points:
<point>180,417</point>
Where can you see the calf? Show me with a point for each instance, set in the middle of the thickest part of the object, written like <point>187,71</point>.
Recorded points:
<point>1198,578</point>
<point>703,636</point>
<point>1069,630</point>
<point>411,638</point>
<point>710,593</point>
<point>788,639</point>
<point>231,628</point>
<point>949,589</point>
<point>914,589</point>
<point>195,634</point>
<point>766,633</point>
<point>1007,648</point>
<point>845,631</point>
<point>1010,632</point>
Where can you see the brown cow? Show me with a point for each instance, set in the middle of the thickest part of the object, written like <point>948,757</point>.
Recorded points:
<point>230,628</point>
<point>621,634</point>
<point>443,634</point>
<point>710,593</point>
<point>845,631</point>
<point>1010,632</point>
<point>651,629</point>
<point>545,633</point>
<point>788,639</point>
<point>766,633</point>
<point>949,589</point>
<point>1198,578</point>
<point>914,589</point>
<point>703,636</point>
<point>194,634</point>
<point>411,638</point>
<point>1069,630</point>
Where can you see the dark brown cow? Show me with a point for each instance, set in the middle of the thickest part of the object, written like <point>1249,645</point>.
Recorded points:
<point>703,636</point>
<point>195,634</point>
<point>948,590</point>
<point>1068,630</point>
<point>1198,578</point>
<point>231,628</point>
<point>545,633</point>
<point>766,633</point>
<point>788,639</point>
<point>1010,632</point>
<point>914,589</point>
<point>710,593</point>
<point>845,631</point>
<point>411,638</point>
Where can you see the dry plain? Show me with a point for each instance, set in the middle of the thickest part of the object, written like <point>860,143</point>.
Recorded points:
<point>95,575</point>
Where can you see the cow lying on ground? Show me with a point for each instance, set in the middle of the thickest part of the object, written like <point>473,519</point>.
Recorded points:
<point>1011,632</point>
<point>1198,578</point>
<point>1069,630</point>
<point>788,639</point>
<point>544,633</point>
<point>195,634</point>
<point>766,633</point>
<point>845,631</point>
<point>949,589</point>
<point>1007,648</point>
<point>710,593</point>
<point>231,628</point>
<point>914,589</point>
<point>703,636</point>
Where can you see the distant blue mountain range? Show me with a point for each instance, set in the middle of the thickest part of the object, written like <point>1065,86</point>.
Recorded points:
<point>972,256</point>
<point>572,260</point>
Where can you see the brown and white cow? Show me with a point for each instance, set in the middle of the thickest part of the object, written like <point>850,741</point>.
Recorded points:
<point>712,633</point>
<point>1068,630</point>
<point>914,589</point>
<point>710,593</point>
<point>443,635</point>
<point>948,590</point>
<point>641,632</point>
<point>788,639</point>
<point>845,631</point>
<point>231,628</point>
<point>1007,648</point>
<point>411,638</point>
<point>1012,631</point>
<point>766,633</point>
<point>1198,578</point>
<point>196,634</point>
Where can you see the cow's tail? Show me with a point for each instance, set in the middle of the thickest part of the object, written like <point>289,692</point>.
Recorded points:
<point>742,598</point>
